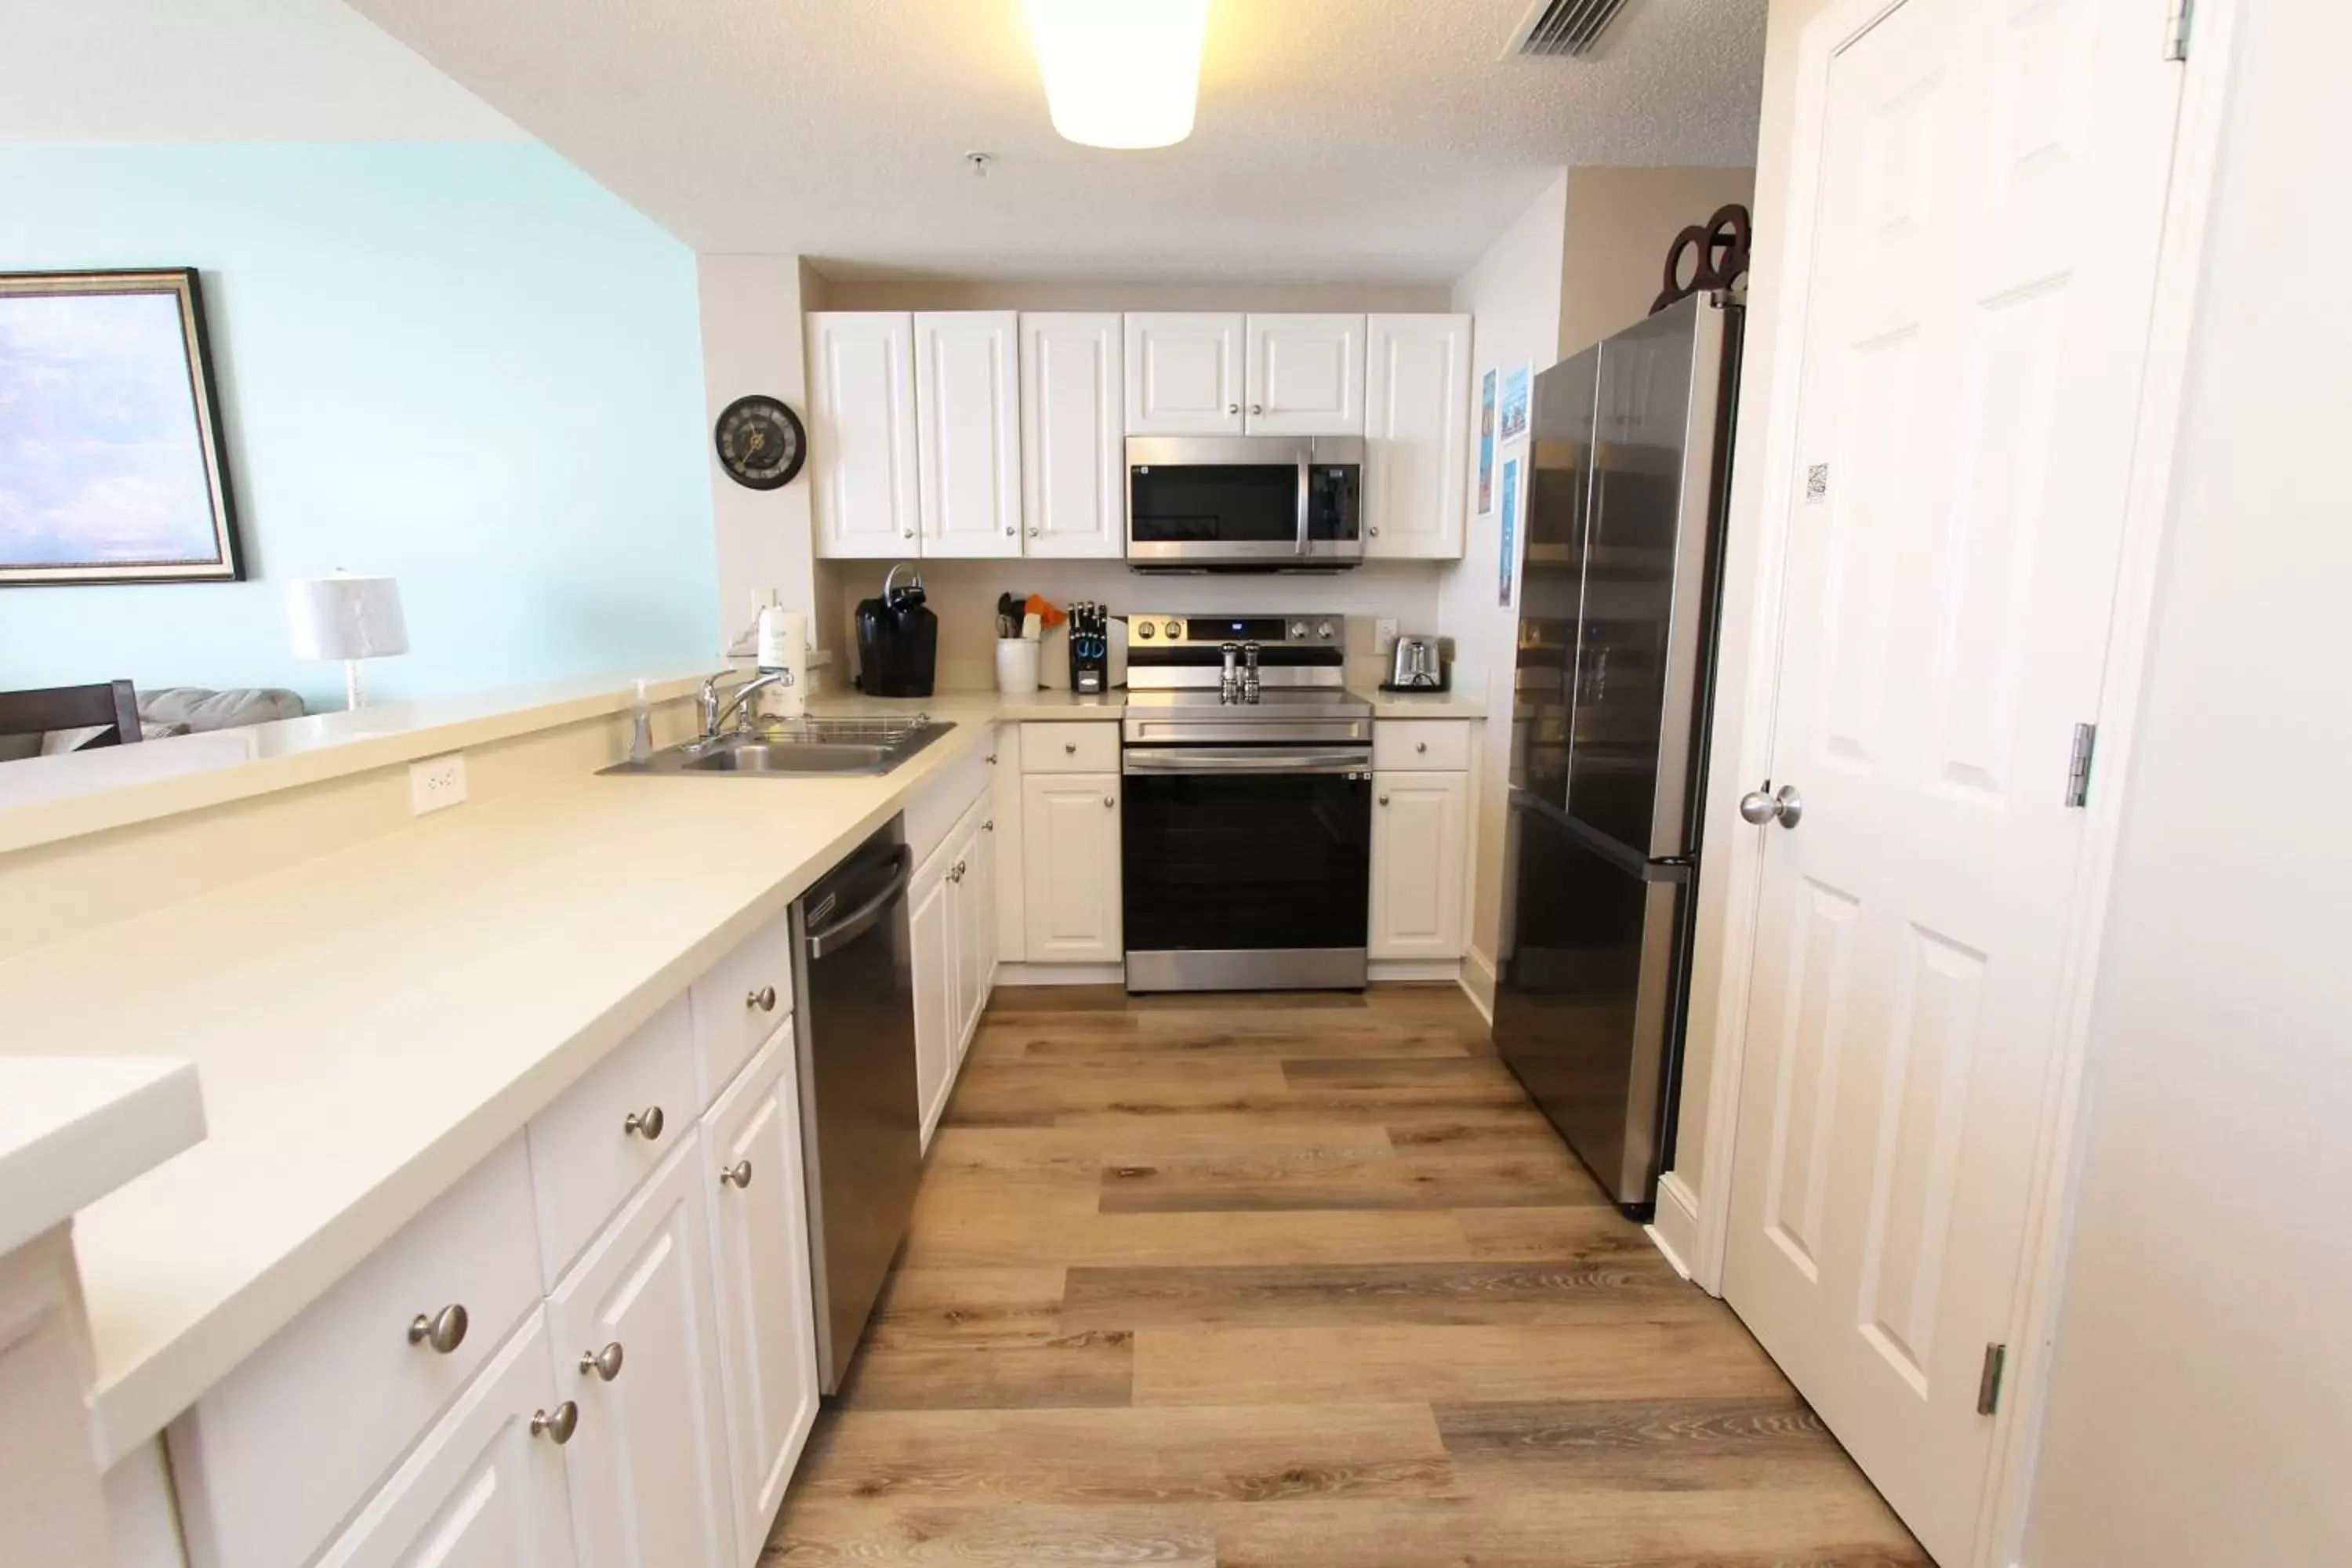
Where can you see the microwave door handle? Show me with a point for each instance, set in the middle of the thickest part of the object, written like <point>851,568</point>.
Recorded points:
<point>1306,488</point>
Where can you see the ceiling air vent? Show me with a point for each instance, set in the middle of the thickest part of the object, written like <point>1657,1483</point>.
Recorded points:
<point>1569,27</point>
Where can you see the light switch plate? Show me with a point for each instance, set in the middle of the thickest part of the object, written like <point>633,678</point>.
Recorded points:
<point>1384,635</point>
<point>436,783</point>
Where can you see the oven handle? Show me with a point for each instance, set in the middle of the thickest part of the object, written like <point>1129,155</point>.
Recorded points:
<point>1245,760</point>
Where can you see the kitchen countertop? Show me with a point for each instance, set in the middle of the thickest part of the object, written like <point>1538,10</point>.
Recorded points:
<point>1419,704</point>
<point>371,1025</point>
<point>73,1129</point>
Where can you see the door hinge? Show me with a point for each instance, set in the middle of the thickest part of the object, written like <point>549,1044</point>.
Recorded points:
<point>2179,16</point>
<point>1988,1381</point>
<point>2078,766</point>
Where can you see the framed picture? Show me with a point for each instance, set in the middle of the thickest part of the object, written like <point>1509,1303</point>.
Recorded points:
<point>1516,389</point>
<point>1486,445</point>
<point>111,468</point>
<point>1509,553</point>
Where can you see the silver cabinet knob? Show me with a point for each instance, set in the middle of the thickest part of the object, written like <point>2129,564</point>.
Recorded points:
<point>445,1330</point>
<point>1787,806</point>
<point>1385,800</point>
<point>646,1124</point>
<point>763,999</point>
<point>1112,801</point>
<point>989,826</point>
<point>1070,748</point>
<point>605,1364</point>
<point>1421,745</point>
<point>1376,531</point>
<point>738,1174</point>
<point>558,1424</point>
<point>1010,531</point>
<point>1256,408</point>
<point>1232,408</point>
<point>910,533</point>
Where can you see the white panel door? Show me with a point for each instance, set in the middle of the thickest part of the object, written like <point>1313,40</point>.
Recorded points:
<point>1991,181</point>
<point>1183,374</point>
<point>1416,435</point>
<point>481,1490</point>
<point>1072,430</point>
<point>1306,375</point>
<point>759,1251</point>
<point>1421,849</point>
<point>930,917</point>
<point>862,433</point>
<point>1069,872</point>
<point>648,1466</point>
<point>968,431</point>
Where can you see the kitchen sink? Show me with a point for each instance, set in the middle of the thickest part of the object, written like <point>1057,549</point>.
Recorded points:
<point>799,748</point>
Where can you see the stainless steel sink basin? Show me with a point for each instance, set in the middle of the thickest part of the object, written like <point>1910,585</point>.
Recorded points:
<point>798,749</point>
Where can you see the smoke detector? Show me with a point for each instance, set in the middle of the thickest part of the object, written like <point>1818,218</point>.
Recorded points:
<point>1570,28</point>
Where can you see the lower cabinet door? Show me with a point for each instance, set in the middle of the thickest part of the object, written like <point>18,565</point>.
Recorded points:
<point>1421,850</point>
<point>482,1489</point>
<point>1070,872</point>
<point>759,1245</point>
<point>977,928</point>
<point>648,1462</point>
<point>930,915</point>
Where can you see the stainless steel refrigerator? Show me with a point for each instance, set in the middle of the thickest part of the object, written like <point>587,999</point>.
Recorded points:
<point>1630,451</point>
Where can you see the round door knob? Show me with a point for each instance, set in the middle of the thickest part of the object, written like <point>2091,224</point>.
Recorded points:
<point>763,999</point>
<point>1112,801</point>
<point>1786,807</point>
<point>558,1424</point>
<point>646,1124</point>
<point>605,1364</point>
<point>445,1330</point>
<point>738,1174</point>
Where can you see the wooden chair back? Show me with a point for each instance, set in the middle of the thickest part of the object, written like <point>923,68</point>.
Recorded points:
<point>111,704</point>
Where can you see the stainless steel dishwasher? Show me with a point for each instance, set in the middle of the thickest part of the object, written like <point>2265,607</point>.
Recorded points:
<point>860,1125</point>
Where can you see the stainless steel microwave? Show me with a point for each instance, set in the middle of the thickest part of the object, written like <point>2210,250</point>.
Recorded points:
<point>1244,503</point>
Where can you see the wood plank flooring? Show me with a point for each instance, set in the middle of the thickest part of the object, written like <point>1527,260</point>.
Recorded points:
<point>1296,1282</point>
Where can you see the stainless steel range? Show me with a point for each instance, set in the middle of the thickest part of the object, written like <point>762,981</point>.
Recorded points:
<point>1246,837</point>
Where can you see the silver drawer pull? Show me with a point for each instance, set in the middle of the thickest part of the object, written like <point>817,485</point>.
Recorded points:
<point>1385,800</point>
<point>1421,745</point>
<point>605,1364</point>
<point>445,1330</point>
<point>559,1422</point>
<point>1070,748</point>
<point>1112,801</point>
<point>738,1174</point>
<point>646,1124</point>
<point>764,999</point>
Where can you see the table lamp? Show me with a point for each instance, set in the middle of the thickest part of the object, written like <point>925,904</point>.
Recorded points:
<point>346,617</point>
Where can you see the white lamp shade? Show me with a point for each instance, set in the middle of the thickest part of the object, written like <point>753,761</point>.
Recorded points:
<point>1120,73</point>
<point>345,618</point>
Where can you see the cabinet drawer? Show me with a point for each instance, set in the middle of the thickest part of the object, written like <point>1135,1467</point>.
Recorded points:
<point>1421,745</point>
<point>591,1148</point>
<point>931,813</point>
<point>1054,748</point>
<point>738,1003</point>
<point>283,1449</point>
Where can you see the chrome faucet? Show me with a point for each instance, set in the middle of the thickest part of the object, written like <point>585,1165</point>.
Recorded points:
<point>714,715</point>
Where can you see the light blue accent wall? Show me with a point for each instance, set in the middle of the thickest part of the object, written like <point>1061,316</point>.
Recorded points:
<point>463,364</point>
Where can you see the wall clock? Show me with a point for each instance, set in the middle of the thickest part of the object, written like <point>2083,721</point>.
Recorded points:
<point>761,443</point>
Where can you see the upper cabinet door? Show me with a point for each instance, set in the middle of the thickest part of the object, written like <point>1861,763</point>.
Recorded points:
<point>1416,435</point>
<point>1306,375</point>
<point>968,431</point>
<point>862,432</point>
<point>1183,374</point>
<point>1073,419</point>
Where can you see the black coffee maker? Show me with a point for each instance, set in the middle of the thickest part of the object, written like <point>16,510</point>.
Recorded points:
<point>898,639</point>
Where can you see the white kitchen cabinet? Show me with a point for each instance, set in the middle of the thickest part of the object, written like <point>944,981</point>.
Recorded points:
<point>972,886</point>
<point>1416,436</point>
<point>930,918</point>
<point>1070,869</point>
<point>1073,425</point>
<point>1184,374</point>
<point>649,1464</point>
<point>1304,375</point>
<point>967,432</point>
<point>1420,852</point>
<point>483,1489</point>
<point>760,1250</point>
<point>862,446</point>
<point>1011,927</point>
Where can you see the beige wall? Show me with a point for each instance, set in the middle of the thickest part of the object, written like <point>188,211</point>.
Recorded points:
<point>1620,222</point>
<point>956,294</point>
<point>752,341</point>
<point>1696,1130</point>
<point>2202,1368</point>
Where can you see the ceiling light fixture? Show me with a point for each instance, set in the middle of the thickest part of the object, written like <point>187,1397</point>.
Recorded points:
<point>1120,73</point>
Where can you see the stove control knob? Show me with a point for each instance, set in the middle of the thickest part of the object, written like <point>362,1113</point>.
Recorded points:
<point>1324,631</point>
<point>1144,630</point>
<point>1299,630</point>
<point>1174,628</point>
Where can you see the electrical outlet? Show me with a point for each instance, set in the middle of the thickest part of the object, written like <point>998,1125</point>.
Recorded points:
<point>1384,635</point>
<point>436,783</point>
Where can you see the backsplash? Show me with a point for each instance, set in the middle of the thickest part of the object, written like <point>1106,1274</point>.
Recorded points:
<point>964,595</point>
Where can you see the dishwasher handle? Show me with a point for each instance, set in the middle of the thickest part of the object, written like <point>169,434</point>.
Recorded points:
<point>859,920</point>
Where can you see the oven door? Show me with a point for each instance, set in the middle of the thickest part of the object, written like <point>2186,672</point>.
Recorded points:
<point>1246,868</point>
